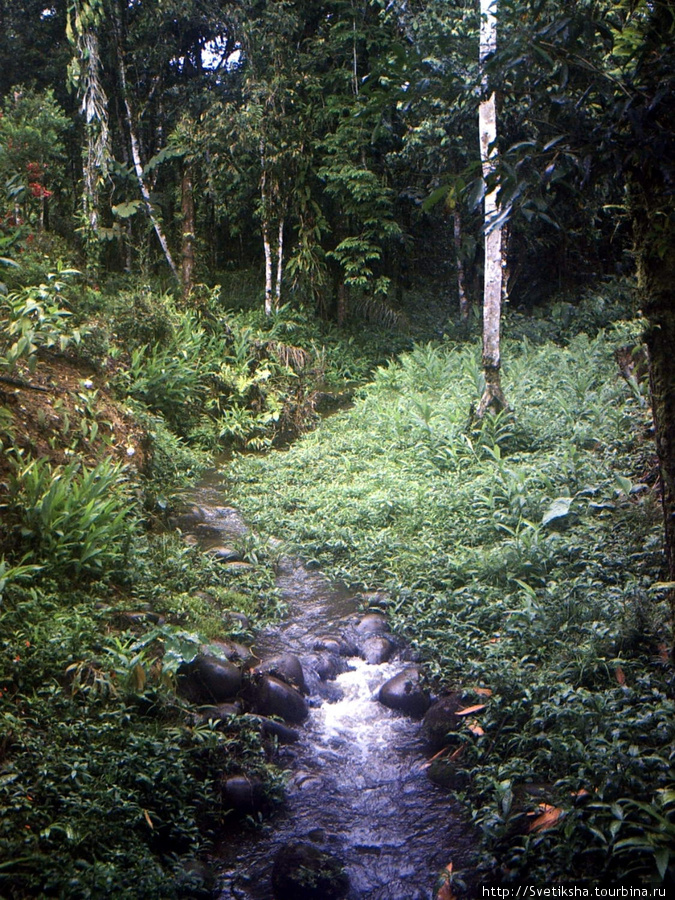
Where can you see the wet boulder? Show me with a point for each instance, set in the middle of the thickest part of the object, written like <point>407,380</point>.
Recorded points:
<point>376,649</point>
<point>218,713</point>
<point>210,680</point>
<point>440,721</point>
<point>342,645</point>
<point>224,553</point>
<point>281,732</point>
<point>230,650</point>
<point>304,872</point>
<point>273,697</point>
<point>287,667</point>
<point>404,692</point>
<point>372,623</point>
<point>243,793</point>
<point>187,518</point>
<point>329,665</point>
<point>233,617</point>
<point>446,775</point>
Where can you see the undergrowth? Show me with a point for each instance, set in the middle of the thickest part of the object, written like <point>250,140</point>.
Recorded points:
<point>522,557</point>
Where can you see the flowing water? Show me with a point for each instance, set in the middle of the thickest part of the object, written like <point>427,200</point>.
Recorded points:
<point>356,781</point>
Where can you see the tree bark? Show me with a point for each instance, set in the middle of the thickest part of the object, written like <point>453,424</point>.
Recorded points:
<point>136,156</point>
<point>650,152</point>
<point>267,248</point>
<point>464,305</point>
<point>187,231</point>
<point>493,398</point>
<point>280,262</point>
<point>657,282</point>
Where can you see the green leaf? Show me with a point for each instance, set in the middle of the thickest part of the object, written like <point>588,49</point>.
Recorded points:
<point>435,197</point>
<point>127,209</point>
<point>625,484</point>
<point>162,156</point>
<point>662,858</point>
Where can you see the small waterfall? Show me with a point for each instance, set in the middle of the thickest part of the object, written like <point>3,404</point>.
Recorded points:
<point>357,786</point>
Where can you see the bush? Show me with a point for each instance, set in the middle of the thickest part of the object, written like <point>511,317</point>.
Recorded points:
<point>74,520</point>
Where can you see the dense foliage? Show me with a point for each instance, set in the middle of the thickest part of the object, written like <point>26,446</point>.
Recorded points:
<point>522,559</point>
<point>218,220</point>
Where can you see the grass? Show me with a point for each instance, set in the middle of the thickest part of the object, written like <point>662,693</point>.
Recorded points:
<point>521,557</point>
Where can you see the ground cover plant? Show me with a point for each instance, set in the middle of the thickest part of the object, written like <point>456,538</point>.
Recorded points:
<point>522,558</point>
<point>112,399</point>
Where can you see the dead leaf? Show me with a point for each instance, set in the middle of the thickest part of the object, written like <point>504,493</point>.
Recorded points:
<point>664,653</point>
<point>482,692</point>
<point>458,752</point>
<point>470,709</point>
<point>620,676</point>
<point>547,818</point>
<point>146,816</point>
<point>446,892</point>
<point>475,728</point>
<point>425,765</point>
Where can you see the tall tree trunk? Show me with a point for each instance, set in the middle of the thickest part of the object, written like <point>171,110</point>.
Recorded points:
<point>82,32</point>
<point>656,278</point>
<point>136,154</point>
<point>657,282</point>
<point>187,231</point>
<point>464,305</point>
<point>493,398</point>
<point>650,154</point>
<point>267,248</point>
<point>280,262</point>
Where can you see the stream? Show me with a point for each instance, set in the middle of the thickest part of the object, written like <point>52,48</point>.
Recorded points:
<point>357,786</point>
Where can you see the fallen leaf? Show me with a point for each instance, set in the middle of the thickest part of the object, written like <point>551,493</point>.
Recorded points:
<point>475,728</point>
<point>445,892</point>
<point>146,816</point>
<point>425,765</point>
<point>548,817</point>
<point>620,676</point>
<point>482,692</point>
<point>664,653</point>
<point>470,709</point>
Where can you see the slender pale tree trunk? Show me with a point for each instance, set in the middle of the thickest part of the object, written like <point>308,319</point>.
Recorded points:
<point>280,262</point>
<point>461,288</point>
<point>493,399</point>
<point>187,231</point>
<point>136,156</point>
<point>265,229</point>
<point>269,288</point>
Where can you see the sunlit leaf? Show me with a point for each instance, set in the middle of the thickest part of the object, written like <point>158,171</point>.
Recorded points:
<point>470,709</point>
<point>549,816</point>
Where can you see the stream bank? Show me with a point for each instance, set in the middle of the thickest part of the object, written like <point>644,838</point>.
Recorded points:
<point>357,792</point>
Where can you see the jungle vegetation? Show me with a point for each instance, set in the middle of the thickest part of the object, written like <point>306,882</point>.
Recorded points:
<point>215,216</point>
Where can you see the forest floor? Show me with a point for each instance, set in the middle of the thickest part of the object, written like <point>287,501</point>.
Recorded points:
<point>521,557</point>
